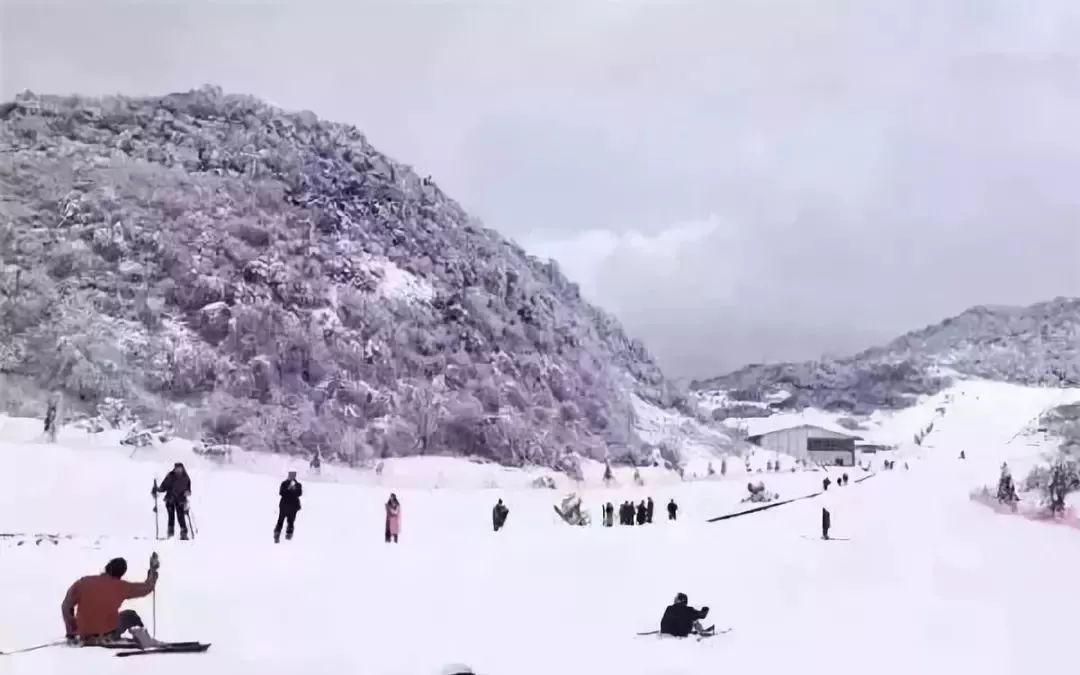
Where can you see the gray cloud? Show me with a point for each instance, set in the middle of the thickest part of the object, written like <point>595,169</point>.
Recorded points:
<point>738,181</point>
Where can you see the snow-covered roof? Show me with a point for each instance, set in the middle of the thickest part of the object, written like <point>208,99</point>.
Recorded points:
<point>767,425</point>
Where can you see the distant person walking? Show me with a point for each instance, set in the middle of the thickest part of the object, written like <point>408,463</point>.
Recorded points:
<point>288,506</point>
<point>498,515</point>
<point>826,523</point>
<point>649,508</point>
<point>51,420</point>
<point>393,519</point>
<point>672,510</point>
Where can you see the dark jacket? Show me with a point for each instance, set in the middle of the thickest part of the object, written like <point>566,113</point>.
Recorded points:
<point>679,619</point>
<point>290,492</point>
<point>176,487</point>
<point>826,519</point>
<point>499,514</point>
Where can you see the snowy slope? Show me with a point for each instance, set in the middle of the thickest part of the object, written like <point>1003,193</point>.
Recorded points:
<point>929,581</point>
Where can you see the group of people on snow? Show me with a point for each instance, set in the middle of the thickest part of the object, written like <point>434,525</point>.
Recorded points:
<point>640,514</point>
<point>841,481</point>
<point>176,487</point>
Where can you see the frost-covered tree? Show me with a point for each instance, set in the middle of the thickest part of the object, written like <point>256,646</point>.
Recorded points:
<point>299,290</point>
<point>1006,492</point>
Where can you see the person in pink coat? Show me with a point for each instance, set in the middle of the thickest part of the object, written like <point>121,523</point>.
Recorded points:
<point>393,518</point>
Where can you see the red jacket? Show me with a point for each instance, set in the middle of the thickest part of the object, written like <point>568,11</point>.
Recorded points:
<point>92,604</point>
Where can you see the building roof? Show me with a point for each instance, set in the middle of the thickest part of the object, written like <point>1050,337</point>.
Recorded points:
<point>763,428</point>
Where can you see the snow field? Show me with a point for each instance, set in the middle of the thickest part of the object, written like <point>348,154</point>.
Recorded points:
<point>929,581</point>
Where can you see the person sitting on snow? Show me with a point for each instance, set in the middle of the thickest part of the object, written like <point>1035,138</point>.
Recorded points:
<point>91,607</point>
<point>680,619</point>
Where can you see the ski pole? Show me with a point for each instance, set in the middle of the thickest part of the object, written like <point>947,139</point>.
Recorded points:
<point>191,522</point>
<point>34,648</point>
<point>157,527</point>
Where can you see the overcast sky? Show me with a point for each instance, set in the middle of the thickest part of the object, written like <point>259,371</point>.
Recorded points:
<point>737,180</point>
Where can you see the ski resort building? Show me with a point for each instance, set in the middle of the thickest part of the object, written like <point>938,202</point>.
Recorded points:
<point>808,442</point>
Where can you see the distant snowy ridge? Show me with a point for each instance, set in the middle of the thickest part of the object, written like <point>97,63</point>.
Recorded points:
<point>264,279</point>
<point>1037,345</point>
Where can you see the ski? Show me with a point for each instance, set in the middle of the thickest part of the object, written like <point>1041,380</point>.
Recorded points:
<point>712,632</point>
<point>173,648</point>
<point>824,539</point>
<point>134,646</point>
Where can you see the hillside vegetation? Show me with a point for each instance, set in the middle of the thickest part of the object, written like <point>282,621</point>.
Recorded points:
<point>1036,345</point>
<point>270,280</point>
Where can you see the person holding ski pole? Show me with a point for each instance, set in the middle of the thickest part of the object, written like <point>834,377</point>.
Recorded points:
<point>177,489</point>
<point>91,607</point>
<point>680,619</point>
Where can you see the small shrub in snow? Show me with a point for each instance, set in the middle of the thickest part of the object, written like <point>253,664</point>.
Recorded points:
<point>544,483</point>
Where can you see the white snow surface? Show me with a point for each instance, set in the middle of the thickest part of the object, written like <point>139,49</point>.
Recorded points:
<point>929,581</point>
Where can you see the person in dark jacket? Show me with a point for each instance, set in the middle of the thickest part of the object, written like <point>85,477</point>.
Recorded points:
<point>642,513</point>
<point>499,514</point>
<point>680,619</point>
<point>177,489</point>
<point>826,483</point>
<point>672,510</point>
<point>50,420</point>
<point>826,523</point>
<point>288,506</point>
<point>609,514</point>
<point>649,507</point>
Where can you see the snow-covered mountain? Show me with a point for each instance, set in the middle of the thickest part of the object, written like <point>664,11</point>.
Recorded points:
<point>1036,345</point>
<point>266,279</point>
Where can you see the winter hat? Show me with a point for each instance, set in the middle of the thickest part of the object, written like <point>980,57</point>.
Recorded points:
<point>458,669</point>
<point>681,599</point>
<point>116,568</point>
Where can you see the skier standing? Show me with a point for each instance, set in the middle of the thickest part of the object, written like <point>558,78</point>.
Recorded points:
<point>672,510</point>
<point>91,607</point>
<point>649,507</point>
<point>393,518</point>
<point>680,619</point>
<point>642,513</point>
<point>499,514</point>
<point>826,523</point>
<point>826,483</point>
<point>609,514</point>
<point>288,506</point>
<point>177,489</point>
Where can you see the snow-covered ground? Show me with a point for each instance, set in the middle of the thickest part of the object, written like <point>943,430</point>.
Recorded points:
<point>929,581</point>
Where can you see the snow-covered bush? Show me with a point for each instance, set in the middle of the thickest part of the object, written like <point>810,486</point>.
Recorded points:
<point>544,483</point>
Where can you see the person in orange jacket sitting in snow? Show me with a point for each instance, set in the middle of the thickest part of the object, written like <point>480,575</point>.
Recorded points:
<point>91,607</point>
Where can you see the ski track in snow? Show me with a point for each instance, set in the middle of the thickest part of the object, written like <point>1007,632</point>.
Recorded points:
<point>929,582</point>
